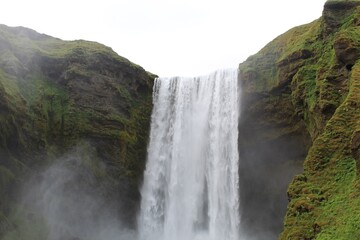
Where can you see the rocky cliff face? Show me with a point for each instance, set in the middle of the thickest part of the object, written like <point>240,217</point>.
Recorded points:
<point>301,95</point>
<point>300,117</point>
<point>56,96</point>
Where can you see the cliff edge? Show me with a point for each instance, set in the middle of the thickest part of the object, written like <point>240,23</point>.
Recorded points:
<point>70,97</point>
<point>305,83</point>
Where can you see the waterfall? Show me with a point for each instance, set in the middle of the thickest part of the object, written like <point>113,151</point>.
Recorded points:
<point>191,182</point>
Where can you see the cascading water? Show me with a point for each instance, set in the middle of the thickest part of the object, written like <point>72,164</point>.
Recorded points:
<point>191,185</point>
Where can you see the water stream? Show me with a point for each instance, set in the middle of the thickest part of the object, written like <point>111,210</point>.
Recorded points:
<point>191,181</point>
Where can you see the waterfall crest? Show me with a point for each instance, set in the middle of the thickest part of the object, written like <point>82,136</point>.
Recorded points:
<point>191,182</point>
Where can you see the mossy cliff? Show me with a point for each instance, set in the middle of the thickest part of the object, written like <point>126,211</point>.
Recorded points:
<point>305,85</point>
<point>300,115</point>
<point>55,95</point>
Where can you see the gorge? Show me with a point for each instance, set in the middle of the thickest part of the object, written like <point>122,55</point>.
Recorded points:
<point>75,140</point>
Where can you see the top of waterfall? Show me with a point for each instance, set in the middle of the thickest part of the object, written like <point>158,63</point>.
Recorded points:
<point>221,70</point>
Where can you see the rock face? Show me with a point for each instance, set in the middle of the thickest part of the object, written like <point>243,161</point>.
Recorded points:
<point>300,124</point>
<point>301,94</point>
<point>57,95</point>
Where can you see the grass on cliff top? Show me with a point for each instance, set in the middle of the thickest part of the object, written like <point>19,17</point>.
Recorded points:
<point>56,48</point>
<point>45,97</point>
<point>26,42</point>
<point>264,64</point>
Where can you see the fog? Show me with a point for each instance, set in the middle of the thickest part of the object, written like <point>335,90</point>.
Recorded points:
<point>265,174</point>
<point>70,199</point>
<point>66,202</point>
<point>266,168</point>
<point>73,198</point>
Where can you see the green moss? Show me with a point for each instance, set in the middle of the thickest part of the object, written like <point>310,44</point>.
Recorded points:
<point>318,65</point>
<point>265,68</point>
<point>133,139</point>
<point>11,89</point>
<point>55,94</point>
<point>304,88</point>
<point>329,167</point>
<point>124,94</point>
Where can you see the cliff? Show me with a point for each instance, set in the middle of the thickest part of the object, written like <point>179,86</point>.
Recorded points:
<point>300,117</point>
<point>60,96</point>
<point>303,88</point>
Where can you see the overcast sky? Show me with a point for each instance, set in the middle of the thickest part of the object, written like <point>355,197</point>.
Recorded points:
<point>167,37</point>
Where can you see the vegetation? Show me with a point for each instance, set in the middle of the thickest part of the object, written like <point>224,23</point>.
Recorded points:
<point>304,85</point>
<point>56,95</point>
<point>318,65</point>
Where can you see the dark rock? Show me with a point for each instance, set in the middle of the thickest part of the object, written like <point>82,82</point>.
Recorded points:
<point>355,148</point>
<point>347,51</point>
<point>335,13</point>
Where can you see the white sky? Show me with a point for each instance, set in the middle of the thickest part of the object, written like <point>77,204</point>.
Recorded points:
<point>167,37</point>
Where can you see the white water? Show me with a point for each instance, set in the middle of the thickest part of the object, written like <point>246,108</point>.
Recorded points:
<point>191,185</point>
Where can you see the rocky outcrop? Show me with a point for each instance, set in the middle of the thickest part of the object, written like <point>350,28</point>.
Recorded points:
<point>299,125</point>
<point>302,88</point>
<point>57,95</point>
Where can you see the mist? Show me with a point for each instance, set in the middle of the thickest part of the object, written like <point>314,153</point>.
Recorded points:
<point>73,198</point>
<point>269,158</point>
<point>266,171</point>
<point>69,201</point>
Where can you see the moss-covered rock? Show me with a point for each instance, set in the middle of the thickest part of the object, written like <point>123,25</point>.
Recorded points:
<point>55,94</point>
<point>315,67</point>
